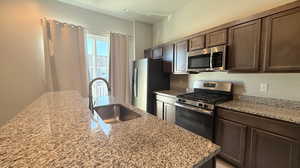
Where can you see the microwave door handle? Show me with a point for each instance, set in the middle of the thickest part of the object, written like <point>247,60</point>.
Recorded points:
<point>135,82</point>
<point>199,110</point>
<point>211,60</point>
<point>187,63</point>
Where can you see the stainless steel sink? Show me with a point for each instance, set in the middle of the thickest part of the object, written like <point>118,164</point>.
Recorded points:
<point>115,113</point>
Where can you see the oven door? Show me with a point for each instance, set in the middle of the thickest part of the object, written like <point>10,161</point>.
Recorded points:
<point>218,58</point>
<point>199,60</point>
<point>195,120</point>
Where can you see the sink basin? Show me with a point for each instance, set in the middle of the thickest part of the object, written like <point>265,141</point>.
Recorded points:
<point>115,113</point>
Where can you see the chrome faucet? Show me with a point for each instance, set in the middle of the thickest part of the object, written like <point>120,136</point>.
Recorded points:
<point>91,104</point>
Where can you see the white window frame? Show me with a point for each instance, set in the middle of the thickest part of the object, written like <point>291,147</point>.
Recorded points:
<point>99,87</point>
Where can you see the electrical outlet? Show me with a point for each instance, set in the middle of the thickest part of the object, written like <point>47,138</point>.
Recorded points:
<point>264,88</point>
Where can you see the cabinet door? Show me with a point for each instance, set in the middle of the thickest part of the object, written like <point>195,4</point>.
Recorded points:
<point>168,57</point>
<point>180,66</point>
<point>244,47</point>
<point>281,42</point>
<point>216,38</point>
<point>160,110</point>
<point>169,111</point>
<point>271,150</point>
<point>148,53</point>
<point>157,53</point>
<point>231,136</point>
<point>197,43</point>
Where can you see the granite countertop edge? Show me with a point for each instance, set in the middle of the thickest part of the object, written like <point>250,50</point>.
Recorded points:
<point>283,113</point>
<point>66,127</point>
<point>171,93</point>
<point>267,111</point>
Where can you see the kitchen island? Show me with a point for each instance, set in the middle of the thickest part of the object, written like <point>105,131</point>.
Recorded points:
<point>58,130</point>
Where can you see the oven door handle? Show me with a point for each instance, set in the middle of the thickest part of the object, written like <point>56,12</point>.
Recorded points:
<point>199,110</point>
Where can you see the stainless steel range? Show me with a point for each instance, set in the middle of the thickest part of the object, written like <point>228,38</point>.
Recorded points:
<point>195,111</point>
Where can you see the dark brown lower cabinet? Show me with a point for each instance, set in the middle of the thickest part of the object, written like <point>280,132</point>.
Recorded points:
<point>160,109</point>
<point>165,108</point>
<point>271,150</point>
<point>169,112</point>
<point>232,137</point>
<point>256,142</point>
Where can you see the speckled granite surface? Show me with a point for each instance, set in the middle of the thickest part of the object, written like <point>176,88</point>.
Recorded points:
<point>58,130</point>
<point>271,108</point>
<point>172,93</point>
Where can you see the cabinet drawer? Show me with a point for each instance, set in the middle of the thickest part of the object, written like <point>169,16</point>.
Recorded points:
<point>166,99</point>
<point>216,38</point>
<point>279,127</point>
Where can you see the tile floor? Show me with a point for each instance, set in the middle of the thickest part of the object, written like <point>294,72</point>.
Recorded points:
<point>221,164</point>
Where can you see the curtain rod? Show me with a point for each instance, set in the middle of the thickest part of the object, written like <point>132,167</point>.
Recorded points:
<point>106,33</point>
<point>42,19</point>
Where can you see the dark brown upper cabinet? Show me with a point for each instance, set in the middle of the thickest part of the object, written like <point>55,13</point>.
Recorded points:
<point>244,47</point>
<point>157,53</point>
<point>180,58</point>
<point>148,53</point>
<point>281,42</point>
<point>197,43</point>
<point>265,42</point>
<point>216,38</point>
<point>168,57</point>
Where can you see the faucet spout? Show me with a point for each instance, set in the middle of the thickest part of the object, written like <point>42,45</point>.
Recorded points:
<point>91,105</point>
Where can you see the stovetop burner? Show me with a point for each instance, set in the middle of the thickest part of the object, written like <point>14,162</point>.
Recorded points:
<point>206,94</point>
<point>206,97</point>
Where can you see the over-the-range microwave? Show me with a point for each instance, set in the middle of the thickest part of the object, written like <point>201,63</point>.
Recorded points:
<point>209,59</point>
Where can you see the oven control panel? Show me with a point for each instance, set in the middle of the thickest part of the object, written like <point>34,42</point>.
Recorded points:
<point>196,104</point>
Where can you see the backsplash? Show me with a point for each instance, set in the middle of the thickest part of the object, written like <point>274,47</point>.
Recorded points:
<point>280,86</point>
<point>179,82</point>
<point>280,103</point>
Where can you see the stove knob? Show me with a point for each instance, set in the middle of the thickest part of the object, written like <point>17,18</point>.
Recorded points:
<point>181,100</point>
<point>200,104</point>
<point>205,106</point>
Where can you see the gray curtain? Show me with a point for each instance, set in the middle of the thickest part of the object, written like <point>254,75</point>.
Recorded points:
<point>120,66</point>
<point>65,62</point>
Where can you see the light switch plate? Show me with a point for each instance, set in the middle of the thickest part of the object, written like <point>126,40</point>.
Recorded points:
<point>264,88</point>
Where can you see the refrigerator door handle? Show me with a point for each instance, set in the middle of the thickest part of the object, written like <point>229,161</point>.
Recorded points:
<point>135,82</point>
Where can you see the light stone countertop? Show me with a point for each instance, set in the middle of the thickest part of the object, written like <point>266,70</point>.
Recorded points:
<point>283,110</point>
<point>58,130</point>
<point>171,92</point>
<point>270,111</point>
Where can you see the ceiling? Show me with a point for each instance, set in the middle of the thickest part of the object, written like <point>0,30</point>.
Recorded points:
<point>149,11</point>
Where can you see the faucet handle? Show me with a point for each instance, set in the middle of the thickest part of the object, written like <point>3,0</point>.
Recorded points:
<point>94,102</point>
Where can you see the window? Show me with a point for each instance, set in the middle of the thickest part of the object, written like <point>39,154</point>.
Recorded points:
<point>97,50</point>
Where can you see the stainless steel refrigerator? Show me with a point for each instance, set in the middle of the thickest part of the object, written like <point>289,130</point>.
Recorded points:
<point>148,76</point>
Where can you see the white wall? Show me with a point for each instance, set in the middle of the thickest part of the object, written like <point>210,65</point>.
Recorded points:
<point>96,23</point>
<point>200,15</point>
<point>21,46</point>
<point>282,86</point>
<point>21,56</point>
<point>143,34</point>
